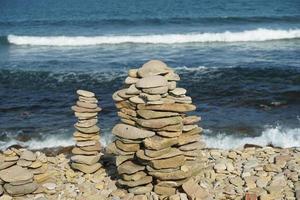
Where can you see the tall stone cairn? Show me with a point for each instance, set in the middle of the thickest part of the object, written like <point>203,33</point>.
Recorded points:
<point>156,143</point>
<point>86,153</point>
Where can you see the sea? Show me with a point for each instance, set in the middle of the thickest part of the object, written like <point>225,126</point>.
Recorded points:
<point>238,59</point>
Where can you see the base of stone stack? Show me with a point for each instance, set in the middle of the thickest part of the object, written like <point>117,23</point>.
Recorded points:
<point>263,173</point>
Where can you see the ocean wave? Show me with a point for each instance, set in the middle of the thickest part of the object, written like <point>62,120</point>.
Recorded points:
<point>276,136</point>
<point>227,36</point>
<point>50,141</point>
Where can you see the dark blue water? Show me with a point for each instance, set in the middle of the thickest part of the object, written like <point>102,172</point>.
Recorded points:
<point>238,59</point>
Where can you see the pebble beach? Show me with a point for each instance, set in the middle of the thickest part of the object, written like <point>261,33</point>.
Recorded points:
<point>268,173</point>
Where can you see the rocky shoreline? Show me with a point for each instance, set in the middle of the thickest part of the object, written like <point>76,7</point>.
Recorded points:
<point>266,173</point>
<point>158,153</point>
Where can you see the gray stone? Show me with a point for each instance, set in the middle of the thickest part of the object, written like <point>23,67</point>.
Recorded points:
<point>131,132</point>
<point>152,82</point>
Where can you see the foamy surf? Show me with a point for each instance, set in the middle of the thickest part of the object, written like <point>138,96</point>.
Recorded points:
<point>276,136</point>
<point>227,36</point>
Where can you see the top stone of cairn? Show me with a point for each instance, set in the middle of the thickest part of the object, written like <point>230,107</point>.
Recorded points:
<point>85,93</point>
<point>153,67</point>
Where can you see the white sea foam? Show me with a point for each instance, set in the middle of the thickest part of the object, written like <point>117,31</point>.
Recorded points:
<point>49,142</point>
<point>277,136</point>
<point>228,36</point>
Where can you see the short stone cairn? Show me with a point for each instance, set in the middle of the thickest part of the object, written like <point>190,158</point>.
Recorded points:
<point>86,153</point>
<point>156,143</point>
<point>17,170</point>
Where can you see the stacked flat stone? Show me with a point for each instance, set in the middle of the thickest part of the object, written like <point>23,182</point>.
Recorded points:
<point>86,153</point>
<point>156,140</point>
<point>17,171</point>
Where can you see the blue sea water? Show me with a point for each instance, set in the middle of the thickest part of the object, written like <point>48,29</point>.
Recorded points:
<point>239,60</point>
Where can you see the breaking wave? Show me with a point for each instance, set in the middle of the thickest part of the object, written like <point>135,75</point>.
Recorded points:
<point>276,136</point>
<point>260,34</point>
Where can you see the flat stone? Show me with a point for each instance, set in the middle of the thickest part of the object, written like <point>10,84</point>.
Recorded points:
<point>178,91</point>
<point>169,134</point>
<point>86,123</point>
<point>24,163</point>
<point>92,100</point>
<point>127,147</point>
<point>175,107</point>
<point>187,128</point>
<point>16,190</point>
<point>220,166</point>
<point>4,165</point>
<point>173,175</point>
<point>92,137</point>
<point>172,76</point>
<point>157,153</point>
<point>172,85</point>
<point>152,82</point>
<point>168,163</point>
<point>132,90</point>
<point>237,181</point>
<point>134,177</point>
<point>157,90</point>
<point>123,94</point>
<point>153,67</point>
<point>159,123</point>
<point>88,169</point>
<point>129,167</point>
<point>192,146</point>
<point>174,128</point>
<point>130,80</point>
<point>94,147</point>
<point>149,114</point>
<point>123,158</point>
<point>141,189</point>
<point>85,110</point>
<point>191,120</point>
<point>89,160</point>
<point>129,112</point>
<point>85,93</point>
<point>84,116</point>
<point>157,142</point>
<point>15,173</point>
<point>1,190</point>
<point>194,191</point>
<point>50,186</point>
<point>11,158</point>
<point>171,153</point>
<point>133,73</point>
<point>187,139</point>
<point>28,155</point>
<point>143,181</point>
<point>36,164</point>
<point>136,100</point>
<point>90,106</point>
<point>86,143</point>
<point>149,97</point>
<point>131,132</point>
<point>195,131</point>
<point>112,149</point>
<point>92,129</point>
<point>116,97</point>
<point>128,122</point>
<point>161,190</point>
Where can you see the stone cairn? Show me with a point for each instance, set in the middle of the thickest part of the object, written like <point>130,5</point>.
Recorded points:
<point>156,143</point>
<point>86,153</point>
<point>18,168</point>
